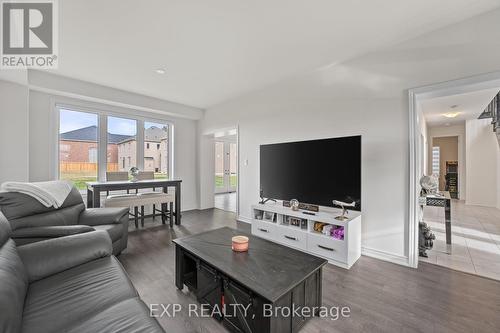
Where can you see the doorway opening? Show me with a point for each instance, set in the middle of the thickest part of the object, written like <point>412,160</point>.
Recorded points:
<point>454,138</point>
<point>226,171</point>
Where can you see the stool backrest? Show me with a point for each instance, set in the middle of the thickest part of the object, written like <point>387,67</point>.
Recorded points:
<point>116,175</point>
<point>145,175</point>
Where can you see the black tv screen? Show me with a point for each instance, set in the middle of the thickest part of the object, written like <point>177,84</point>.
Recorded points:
<point>313,172</point>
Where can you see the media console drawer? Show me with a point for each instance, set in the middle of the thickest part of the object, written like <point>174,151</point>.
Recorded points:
<point>289,236</point>
<point>264,230</point>
<point>326,247</point>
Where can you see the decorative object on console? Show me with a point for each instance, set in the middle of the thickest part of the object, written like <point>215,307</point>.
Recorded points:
<point>264,200</point>
<point>134,172</point>
<point>327,230</point>
<point>268,216</point>
<point>429,184</point>
<point>303,206</point>
<point>258,214</point>
<point>425,239</point>
<point>338,232</point>
<point>297,222</point>
<point>318,226</point>
<point>294,221</point>
<point>294,204</point>
<point>343,205</point>
<point>239,243</point>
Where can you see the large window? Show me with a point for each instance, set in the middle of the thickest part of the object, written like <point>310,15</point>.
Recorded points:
<point>122,144</point>
<point>435,161</point>
<point>156,141</point>
<point>78,133</point>
<point>84,155</point>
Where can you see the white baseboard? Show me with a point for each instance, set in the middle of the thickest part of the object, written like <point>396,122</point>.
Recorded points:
<point>244,219</point>
<point>386,256</point>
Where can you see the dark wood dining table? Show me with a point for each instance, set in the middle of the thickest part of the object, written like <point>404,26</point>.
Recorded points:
<point>94,190</point>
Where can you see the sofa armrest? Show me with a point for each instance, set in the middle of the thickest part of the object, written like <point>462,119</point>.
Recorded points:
<point>51,231</point>
<point>99,216</point>
<point>52,256</point>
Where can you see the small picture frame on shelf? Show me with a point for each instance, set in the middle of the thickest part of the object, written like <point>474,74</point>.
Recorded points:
<point>286,220</point>
<point>295,221</point>
<point>258,214</point>
<point>269,216</point>
<point>304,224</point>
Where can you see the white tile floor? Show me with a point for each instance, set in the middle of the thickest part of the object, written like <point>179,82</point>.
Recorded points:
<point>475,239</point>
<point>225,201</point>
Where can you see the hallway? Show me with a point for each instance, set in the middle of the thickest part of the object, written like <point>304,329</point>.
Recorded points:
<point>225,201</point>
<point>475,239</point>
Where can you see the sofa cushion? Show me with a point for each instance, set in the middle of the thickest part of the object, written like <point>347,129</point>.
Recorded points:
<point>52,231</point>
<point>68,298</point>
<point>15,205</point>
<point>115,231</point>
<point>131,315</point>
<point>13,286</point>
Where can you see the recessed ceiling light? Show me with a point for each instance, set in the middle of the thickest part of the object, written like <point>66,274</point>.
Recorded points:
<point>451,114</point>
<point>161,71</point>
<point>454,106</point>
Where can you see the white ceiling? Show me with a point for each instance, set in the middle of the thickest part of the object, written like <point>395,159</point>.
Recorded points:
<point>469,105</point>
<point>218,49</point>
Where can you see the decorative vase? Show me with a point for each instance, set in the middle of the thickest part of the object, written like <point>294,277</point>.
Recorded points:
<point>134,172</point>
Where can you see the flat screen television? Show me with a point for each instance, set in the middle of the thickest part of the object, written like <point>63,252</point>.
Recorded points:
<point>313,172</point>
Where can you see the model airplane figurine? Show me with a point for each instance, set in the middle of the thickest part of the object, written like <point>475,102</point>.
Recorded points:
<point>342,204</point>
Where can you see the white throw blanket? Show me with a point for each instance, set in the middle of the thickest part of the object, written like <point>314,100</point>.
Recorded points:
<point>52,193</point>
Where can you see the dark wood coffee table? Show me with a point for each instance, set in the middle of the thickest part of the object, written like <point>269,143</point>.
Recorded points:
<point>266,277</point>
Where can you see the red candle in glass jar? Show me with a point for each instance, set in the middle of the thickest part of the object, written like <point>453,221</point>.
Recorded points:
<point>240,243</point>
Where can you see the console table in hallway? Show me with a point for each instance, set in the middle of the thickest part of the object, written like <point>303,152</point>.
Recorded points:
<point>94,190</point>
<point>442,199</point>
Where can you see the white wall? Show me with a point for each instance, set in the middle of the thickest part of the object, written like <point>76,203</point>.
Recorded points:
<point>456,130</point>
<point>13,132</point>
<point>367,96</point>
<point>482,168</point>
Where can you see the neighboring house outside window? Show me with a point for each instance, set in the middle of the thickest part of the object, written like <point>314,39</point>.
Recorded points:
<point>92,155</point>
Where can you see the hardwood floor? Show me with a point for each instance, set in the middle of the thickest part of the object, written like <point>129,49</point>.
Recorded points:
<point>383,297</point>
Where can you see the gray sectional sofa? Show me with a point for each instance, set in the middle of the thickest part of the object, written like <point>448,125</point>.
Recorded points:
<point>68,284</point>
<point>31,221</point>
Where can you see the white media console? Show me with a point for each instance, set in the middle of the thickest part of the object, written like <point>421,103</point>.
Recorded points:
<point>283,225</point>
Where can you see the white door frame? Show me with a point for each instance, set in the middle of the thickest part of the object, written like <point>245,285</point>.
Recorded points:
<point>415,95</point>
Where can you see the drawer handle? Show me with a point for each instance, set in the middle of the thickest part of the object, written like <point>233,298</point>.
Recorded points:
<point>326,248</point>
<point>290,237</point>
<point>263,230</point>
